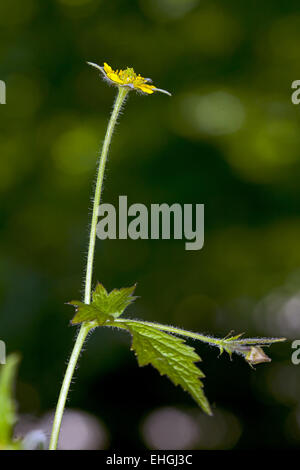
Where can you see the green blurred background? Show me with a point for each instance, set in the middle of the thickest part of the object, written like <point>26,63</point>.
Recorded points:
<point>229,138</point>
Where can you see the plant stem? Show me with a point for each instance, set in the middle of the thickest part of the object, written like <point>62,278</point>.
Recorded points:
<point>110,129</point>
<point>66,385</point>
<point>206,339</point>
<point>172,329</point>
<point>86,327</point>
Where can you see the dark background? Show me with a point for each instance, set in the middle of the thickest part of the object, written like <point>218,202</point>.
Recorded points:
<point>229,138</point>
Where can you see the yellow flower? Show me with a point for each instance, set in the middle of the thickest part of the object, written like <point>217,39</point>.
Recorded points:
<point>128,78</point>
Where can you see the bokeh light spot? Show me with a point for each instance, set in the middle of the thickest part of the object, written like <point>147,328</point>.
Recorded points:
<point>24,96</point>
<point>75,3</point>
<point>171,428</point>
<point>272,148</point>
<point>15,12</point>
<point>215,113</point>
<point>75,151</point>
<point>167,9</point>
<point>212,31</point>
<point>79,431</point>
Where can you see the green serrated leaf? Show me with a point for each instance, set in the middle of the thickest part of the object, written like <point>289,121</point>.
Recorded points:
<point>104,306</point>
<point>170,356</point>
<point>8,416</point>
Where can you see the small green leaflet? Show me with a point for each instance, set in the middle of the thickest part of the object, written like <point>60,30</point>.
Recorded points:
<point>170,356</point>
<point>104,306</point>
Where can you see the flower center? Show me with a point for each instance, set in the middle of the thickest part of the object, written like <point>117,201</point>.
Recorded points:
<point>128,75</point>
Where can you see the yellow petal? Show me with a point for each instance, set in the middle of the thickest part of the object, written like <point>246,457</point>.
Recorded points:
<point>107,68</point>
<point>115,78</point>
<point>146,88</point>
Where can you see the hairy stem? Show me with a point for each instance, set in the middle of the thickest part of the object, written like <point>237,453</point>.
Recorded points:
<point>171,329</point>
<point>206,339</point>
<point>86,327</point>
<point>99,183</point>
<point>66,385</point>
